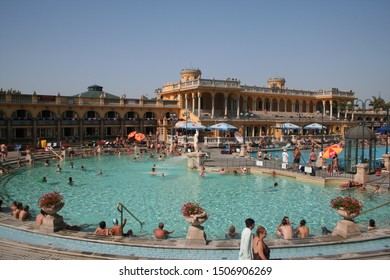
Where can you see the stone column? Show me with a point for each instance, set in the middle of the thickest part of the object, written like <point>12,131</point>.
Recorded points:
<point>361,175</point>
<point>9,130</point>
<point>199,103</point>
<point>212,105</point>
<point>81,131</point>
<point>59,136</point>
<point>195,156</point>
<point>245,104</point>
<point>331,109</point>
<point>226,105</point>
<point>386,161</point>
<point>123,133</point>
<point>34,130</point>
<point>238,108</point>
<point>101,129</point>
<point>193,102</point>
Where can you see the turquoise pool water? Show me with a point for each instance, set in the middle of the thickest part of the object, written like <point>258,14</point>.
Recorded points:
<point>229,199</point>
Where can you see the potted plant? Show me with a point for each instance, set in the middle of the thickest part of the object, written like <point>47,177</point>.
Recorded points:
<point>51,203</point>
<point>194,213</point>
<point>347,207</point>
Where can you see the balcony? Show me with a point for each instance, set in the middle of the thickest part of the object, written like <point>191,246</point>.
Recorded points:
<point>131,121</point>
<point>112,122</point>
<point>21,123</point>
<point>91,122</point>
<point>46,122</point>
<point>149,122</point>
<point>70,122</point>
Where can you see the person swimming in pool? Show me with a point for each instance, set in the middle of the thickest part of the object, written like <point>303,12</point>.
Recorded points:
<point>154,169</point>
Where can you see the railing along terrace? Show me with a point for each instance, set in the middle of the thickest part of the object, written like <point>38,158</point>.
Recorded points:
<point>256,89</point>
<point>71,100</point>
<point>303,168</point>
<point>233,83</point>
<point>19,98</point>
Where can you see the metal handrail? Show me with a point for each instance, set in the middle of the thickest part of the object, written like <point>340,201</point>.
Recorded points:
<point>120,208</point>
<point>384,204</point>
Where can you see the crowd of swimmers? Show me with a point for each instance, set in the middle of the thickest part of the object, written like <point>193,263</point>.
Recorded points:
<point>22,213</point>
<point>19,211</point>
<point>117,230</point>
<point>251,247</point>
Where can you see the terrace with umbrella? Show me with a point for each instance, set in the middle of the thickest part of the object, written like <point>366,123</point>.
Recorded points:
<point>224,127</point>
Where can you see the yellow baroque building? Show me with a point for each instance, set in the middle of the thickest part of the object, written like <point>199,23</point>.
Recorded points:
<point>97,115</point>
<point>258,110</point>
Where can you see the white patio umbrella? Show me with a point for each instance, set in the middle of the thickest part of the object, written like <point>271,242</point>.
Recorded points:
<point>189,126</point>
<point>288,126</point>
<point>315,126</point>
<point>222,126</point>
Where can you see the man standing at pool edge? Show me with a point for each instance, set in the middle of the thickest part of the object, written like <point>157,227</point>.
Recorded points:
<point>246,252</point>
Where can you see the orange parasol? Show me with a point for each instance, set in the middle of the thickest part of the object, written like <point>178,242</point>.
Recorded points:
<point>331,151</point>
<point>131,134</point>
<point>140,137</point>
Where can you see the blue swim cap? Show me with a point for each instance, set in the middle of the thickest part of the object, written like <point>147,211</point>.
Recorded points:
<point>114,221</point>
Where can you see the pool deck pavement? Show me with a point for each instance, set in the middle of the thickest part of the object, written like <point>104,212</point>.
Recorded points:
<point>26,241</point>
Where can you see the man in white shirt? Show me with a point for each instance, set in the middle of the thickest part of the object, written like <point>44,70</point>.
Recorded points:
<point>246,245</point>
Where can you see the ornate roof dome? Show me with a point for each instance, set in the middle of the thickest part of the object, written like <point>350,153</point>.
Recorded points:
<point>358,132</point>
<point>96,91</point>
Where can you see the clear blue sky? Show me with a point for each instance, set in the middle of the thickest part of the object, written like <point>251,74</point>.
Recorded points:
<point>134,47</point>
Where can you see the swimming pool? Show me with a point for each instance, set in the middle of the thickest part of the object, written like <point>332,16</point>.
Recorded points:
<point>229,199</point>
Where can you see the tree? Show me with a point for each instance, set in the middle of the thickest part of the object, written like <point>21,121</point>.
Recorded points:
<point>378,102</point>
<point>10,91</point>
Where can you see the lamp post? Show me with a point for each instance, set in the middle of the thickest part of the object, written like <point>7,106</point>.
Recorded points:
<point>363,122</point>
<point>245,115</point>
<point>322,126</point>
<point>186,115</point>
<point>172,117</point>
<point>387,107</point>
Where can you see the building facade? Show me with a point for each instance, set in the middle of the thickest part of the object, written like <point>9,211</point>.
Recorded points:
<point>97,115</point>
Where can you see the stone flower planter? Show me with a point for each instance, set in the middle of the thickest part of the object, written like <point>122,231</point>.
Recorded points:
<point>196,234</point>
<point>53,209</point>
<point>347,215</point>
<point>53,222</point>
<point>197,220</point>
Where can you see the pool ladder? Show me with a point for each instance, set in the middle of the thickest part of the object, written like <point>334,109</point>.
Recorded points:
<point>121,207</point>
